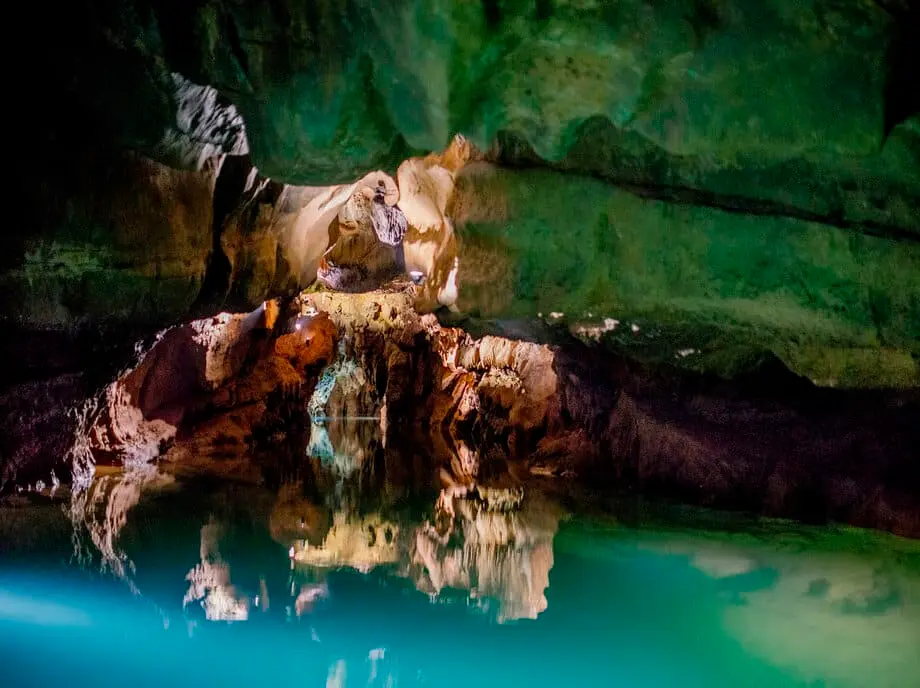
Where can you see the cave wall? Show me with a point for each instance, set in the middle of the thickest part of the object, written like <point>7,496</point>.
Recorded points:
<point>121,238</point>
<point>735,178</point>
<point>762,100</point>
<point>837,305</point>
<point>804,112</point>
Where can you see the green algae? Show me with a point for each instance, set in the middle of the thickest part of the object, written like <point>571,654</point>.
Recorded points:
<point>834,304</point>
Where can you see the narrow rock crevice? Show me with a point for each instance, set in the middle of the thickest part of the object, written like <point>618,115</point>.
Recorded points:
<point>229,188</point>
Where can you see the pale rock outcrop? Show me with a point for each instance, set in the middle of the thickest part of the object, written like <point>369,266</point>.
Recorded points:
<point>426,188</point>
<point>204,127</point>
<point>282,237</point>
<point>357,259</point>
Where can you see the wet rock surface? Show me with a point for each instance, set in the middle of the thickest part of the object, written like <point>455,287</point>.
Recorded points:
<point>722,97</point>
<point>353,382</point>
<point>654,228</point>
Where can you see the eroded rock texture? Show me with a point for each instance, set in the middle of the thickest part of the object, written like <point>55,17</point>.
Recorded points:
<point>342,396</point>
<point>717,188</point>
<point>801,116</point>
<point>718,96</point>
<point>116,237</point>
<point>656,278</point>
<point>496,410</point>
<point>198,394</point>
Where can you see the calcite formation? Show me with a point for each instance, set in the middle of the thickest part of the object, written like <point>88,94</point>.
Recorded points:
<point>214,379</point>
<point>351,380</point>
<point>635,204</point>
<point>497,410</point>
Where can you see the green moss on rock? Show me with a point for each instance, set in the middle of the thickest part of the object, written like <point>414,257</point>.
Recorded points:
<point>577,246</point>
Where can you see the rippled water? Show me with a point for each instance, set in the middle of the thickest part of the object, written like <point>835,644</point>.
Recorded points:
<point>214,583</point>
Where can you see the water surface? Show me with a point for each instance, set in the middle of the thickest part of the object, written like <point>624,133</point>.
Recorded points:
<point>218,583</point>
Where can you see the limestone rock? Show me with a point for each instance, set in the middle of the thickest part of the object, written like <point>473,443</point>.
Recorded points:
<point>804,109</point>
<point>124,239</point>
<point>684,277</point>
<point>496,409</point>
<point>216,376</point>
<point>800,118</point>
<point>204,128</point>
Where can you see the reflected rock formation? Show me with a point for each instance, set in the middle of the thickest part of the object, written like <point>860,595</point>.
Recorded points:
<point>501,559</point>
<point>501,556</point>
<point>493,541</point>
<point>209,582</point>
<point>361,542</point>
<point>837,585</point>
<point>100,512</point>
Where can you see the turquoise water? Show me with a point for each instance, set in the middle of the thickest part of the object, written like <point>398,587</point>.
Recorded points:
<point>146,592</point>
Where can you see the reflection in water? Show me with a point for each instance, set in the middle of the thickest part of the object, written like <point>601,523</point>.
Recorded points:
<point>505,557</point>
<point>340,578</point>
<point>361,542</point>
<point>309,595</point>
<point>654,605</point>
<point>344,416</point>
<point>100,512</point>
<point>209,582</point>
<point>500,559</point>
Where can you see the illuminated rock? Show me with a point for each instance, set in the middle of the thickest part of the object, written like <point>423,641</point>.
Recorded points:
<point>506,557</point>
<point>359,542</point>
<point>194,367</point>
<point>209,582</point>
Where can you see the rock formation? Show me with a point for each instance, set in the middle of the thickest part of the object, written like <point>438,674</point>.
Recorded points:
<point>635,92</point>
<point>636,204</point>
<point>197,394</point>
<point>496,410</point>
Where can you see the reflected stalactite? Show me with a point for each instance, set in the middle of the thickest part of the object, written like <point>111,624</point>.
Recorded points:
<point>498,557</point>
<point>361,542</point>
<point>309,596</point>
<point>494,543</point>
<point>101,512</point>
<point>483,537</point>
<point>495,555</point>
<point>209,582</point>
